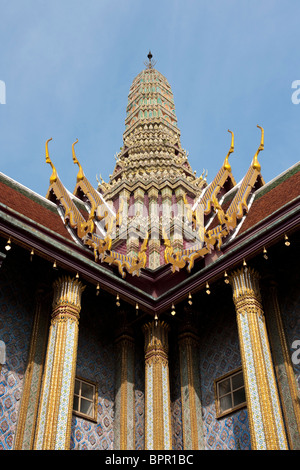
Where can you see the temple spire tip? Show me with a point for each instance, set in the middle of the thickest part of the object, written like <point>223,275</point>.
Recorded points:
<point>151,63</point>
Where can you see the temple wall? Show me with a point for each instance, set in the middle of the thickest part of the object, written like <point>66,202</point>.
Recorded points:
<point>139,393</point>
<point>219,354</point>
<point>289,299</point>
<point>175,394</point>
<point>95,362</point>
<point>290,308</point>
<point>16,319</point>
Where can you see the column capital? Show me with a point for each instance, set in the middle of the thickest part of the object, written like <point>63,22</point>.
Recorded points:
<point>265,417</point>
<point>67,298</point>
<point>156,340</point>
<point>246,290</point>
<point>123,331</point>
<point>188,330</point>
<point>56,399</point>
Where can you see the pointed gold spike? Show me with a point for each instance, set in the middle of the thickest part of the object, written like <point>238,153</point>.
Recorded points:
<point>231,150</point>
<point>53,177</point>
<point>80,174</point>
<point>256,164</point>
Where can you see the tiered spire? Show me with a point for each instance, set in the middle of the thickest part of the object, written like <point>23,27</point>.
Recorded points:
<point>154,210</point>
<point>151,152</point>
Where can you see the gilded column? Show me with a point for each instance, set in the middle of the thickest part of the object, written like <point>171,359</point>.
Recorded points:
<point>124,399</point>
<point>134,229</point>
<point>283,365</point>
<point>56,403</point>
<point>157,393</point>
<point>265,416</point>
<point>33,376</point>
<point>193,438</point>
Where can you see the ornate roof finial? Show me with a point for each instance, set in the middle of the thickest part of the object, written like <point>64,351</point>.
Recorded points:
<point>151,63</point>
<point>256,164</point>
<point>53,177</point>
<point>226,164</point>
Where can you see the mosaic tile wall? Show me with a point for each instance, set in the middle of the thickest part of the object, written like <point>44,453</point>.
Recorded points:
<point>290,308</point>
<point>175,395</point>
<point>95,362</point>
<point>220,354</point>
<point>16,317</point>
<point>139,393</point>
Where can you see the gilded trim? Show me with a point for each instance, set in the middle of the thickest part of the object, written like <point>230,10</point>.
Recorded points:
<point>157,407</point>
<point>191,408</point>
<point>26,421</point>
<point>291,413</point>
<point>125,422</point>
<point>266,421</point>
<point>54,421</point>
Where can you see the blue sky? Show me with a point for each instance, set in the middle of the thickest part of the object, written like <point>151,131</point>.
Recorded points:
<point>68,66</point>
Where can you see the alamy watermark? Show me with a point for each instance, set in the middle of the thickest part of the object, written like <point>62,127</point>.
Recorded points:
<point>2,92</point>
<point>296,354</point>
<point>296,94</point>
<point>140,220</point>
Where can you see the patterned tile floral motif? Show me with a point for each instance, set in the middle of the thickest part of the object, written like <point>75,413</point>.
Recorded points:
<point>219,354</point>
<point>272,385</point>
<point>139,397</point>
<point>289,304</point>
<point>175,396</point>
<point>149,431</point>
<point>290,308</point>
<point>95,362</point>
<point>166,406</point>
<point>44,399</point>
<point>15,328</point>
<point>253,390</point>
<point>65,396</point>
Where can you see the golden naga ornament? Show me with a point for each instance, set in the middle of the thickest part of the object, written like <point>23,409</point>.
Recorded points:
<point>213,238</point>
<point>84,229</point>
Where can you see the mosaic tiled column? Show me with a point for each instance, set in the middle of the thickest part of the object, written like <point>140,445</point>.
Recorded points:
<point>157,393</point>
<point>192,424</point>
<point>33,376</point>
<point>265,416</point>
<point>124,423</point>
<point>283,365</point>
<point>56,403</point>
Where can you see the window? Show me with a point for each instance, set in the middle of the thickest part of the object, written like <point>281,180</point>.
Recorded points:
<point>85,399</point>
<point>230,392</point>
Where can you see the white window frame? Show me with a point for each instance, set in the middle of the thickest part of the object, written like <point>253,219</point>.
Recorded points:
<point>229,377</point>
<point>94,400</point>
